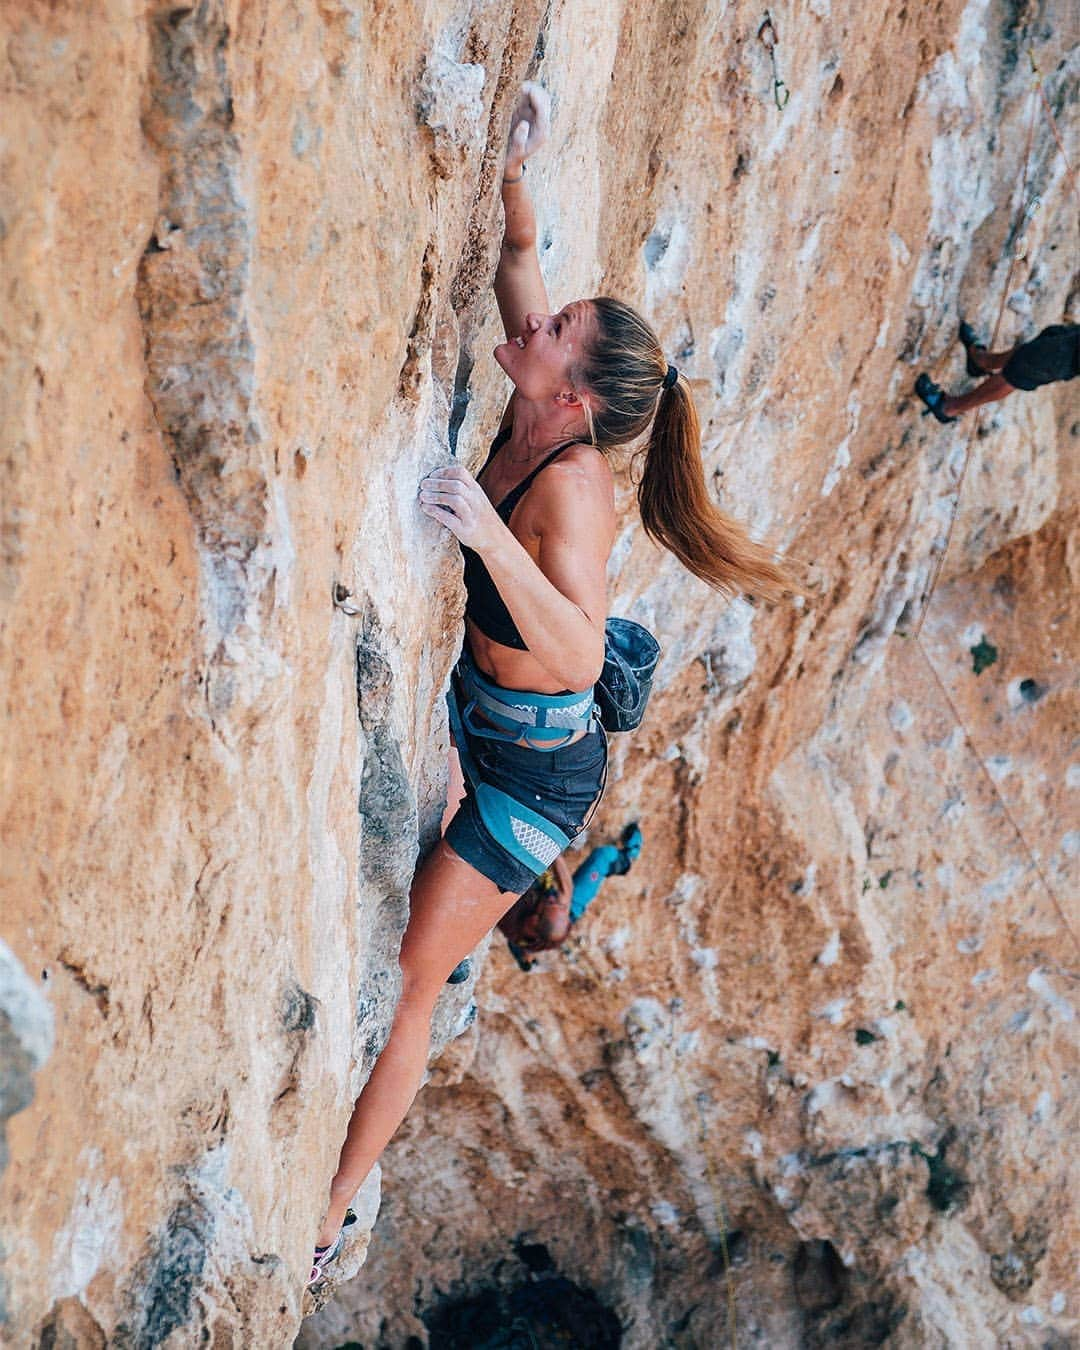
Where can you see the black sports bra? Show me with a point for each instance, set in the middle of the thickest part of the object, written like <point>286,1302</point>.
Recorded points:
<point>483,604</point>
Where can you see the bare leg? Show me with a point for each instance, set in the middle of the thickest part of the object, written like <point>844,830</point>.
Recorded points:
<point>989,361</point>
<point>992,390</point>
<point>452,906</point>
<point>455,789</point>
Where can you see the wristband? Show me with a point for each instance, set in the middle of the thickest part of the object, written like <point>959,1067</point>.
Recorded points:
<point>518,179</point>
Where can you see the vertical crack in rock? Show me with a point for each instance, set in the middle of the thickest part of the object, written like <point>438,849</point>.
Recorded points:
<point>411,378</point>
<point>387,805</point>
<point>459,404</point>
<point>474,270</point>
<point>191,291</point>
<point>388,835</point>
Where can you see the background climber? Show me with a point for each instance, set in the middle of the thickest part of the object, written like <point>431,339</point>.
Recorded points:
<point>1047,359</point>
<point>543,917</point>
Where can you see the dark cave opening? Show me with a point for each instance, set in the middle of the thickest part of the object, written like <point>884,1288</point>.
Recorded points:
<point>548,1312</point>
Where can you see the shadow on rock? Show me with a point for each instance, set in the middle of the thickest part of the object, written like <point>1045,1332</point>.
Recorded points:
<point>551,1313</point>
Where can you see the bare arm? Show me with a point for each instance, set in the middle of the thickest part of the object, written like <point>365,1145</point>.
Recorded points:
<point>563,879</point>
<point>519,284</point>
<point>557,599</point>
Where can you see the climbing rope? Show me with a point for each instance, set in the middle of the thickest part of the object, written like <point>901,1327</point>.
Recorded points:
<point>1024,215</point>
<point>675,1007</point>
<point>1018,231</point>
<point>1040,85</point>
<point>996,791</point>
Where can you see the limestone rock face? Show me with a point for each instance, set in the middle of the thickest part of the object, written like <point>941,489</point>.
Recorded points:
<point>806,1075</point>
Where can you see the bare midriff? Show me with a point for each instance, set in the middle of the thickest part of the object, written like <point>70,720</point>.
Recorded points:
<point>510,668</point>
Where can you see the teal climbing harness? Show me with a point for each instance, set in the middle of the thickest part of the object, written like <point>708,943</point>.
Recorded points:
<point>519,714</point>
<point>482,710</point>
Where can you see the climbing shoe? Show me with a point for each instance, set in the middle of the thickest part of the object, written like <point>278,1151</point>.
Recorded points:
<point>969,339</point>
<point>933,397</point>
<point>630,845</point>
<point>460,973</point>
<point>322,1258</point>
<point>324,1255</point>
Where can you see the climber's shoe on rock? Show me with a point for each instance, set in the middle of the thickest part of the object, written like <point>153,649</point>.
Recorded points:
<point>969,338</point>
<point>322,1258</point>
<point>631,841</point>
<point>630,845</point>
<point>324,1255</point>
<point>460,973</point>
<point>933,396</point>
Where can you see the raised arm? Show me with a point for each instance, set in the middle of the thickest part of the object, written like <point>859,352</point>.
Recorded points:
<point>519,285</point>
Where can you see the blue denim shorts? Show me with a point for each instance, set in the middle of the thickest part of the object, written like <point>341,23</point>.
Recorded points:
<point>561,785</point>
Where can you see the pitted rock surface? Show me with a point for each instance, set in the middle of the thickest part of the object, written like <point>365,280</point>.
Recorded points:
<point>806,1075</point>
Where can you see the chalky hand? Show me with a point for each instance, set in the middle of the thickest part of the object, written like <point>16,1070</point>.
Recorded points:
<point>529,125</point>
<point>454,498</point>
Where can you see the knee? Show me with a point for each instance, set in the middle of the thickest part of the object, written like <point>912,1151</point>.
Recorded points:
<point>424,971</point>
<point>420,987</point>
<point>342,1188</point>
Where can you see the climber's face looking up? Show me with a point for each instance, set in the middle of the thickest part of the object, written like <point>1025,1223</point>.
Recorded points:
<point>542,358</point>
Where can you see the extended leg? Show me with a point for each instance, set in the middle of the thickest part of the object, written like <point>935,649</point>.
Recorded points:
<point>991,390</point>
<point>452,906</point>
<point>601,863</point>
<point>590,876</point>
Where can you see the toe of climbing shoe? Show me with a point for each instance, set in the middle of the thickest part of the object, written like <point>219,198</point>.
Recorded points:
<point>967,334</point>
<point>322,1258</point>
<point>933,397</point>
<point>324,1255</point>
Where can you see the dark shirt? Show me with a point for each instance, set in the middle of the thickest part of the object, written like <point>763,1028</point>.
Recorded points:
<point>484,605</point>
<point>1053,355</point>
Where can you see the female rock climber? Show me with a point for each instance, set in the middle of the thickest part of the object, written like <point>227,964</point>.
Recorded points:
<point>536,530</point>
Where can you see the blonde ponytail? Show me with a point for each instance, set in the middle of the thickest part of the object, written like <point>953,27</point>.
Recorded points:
<point>678,513</point>
<point>625,370</point>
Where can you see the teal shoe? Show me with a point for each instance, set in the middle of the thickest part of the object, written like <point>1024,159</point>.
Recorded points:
<point>933,397</point>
